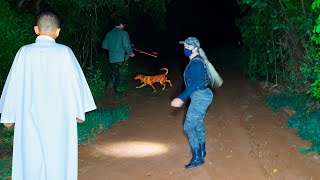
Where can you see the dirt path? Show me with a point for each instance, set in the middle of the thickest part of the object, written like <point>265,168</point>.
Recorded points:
<point>245,141</point>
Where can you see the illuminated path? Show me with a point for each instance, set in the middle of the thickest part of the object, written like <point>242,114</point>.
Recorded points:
<point>245,141</point>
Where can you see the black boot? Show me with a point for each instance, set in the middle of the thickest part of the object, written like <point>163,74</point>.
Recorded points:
<point>196,159</point>
<point>203,150</point>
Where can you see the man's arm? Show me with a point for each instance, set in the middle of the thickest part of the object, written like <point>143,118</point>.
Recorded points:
<point>127,45</point>
<point>105,43</point>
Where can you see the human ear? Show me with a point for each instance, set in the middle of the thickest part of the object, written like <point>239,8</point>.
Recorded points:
<point>36,30</point>
<point>57,32</point>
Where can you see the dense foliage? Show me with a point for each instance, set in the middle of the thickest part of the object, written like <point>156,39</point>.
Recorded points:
<point>16,31</point>
<point>315,87</point>
<point>84,24</point>
<point>282,40</point>
<point>277,36</point>
<point>86,21</point>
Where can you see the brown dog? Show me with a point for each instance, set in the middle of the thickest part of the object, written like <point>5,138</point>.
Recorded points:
<point>150,80</point>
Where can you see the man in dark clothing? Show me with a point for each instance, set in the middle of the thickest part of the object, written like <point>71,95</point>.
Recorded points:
<point>118,43</point>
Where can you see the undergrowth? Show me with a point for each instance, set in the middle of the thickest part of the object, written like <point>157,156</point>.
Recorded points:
<point>305,120</point>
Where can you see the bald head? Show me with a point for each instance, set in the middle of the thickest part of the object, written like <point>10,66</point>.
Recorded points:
<point>48,22</point>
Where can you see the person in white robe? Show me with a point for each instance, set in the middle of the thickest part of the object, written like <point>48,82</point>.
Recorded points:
<point>44,96</point>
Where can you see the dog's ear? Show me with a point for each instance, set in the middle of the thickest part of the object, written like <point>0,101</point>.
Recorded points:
<point>137,76</point>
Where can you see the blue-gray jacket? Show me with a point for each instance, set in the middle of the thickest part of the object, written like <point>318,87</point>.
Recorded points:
<point>195,78</point>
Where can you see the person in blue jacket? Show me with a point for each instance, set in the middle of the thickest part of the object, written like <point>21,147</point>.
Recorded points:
<point>196,88</point>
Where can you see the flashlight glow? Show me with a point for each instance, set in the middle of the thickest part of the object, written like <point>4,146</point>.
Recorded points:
<point>135,149</point>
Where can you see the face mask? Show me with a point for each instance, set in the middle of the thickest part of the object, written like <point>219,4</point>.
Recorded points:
<point>187,52</point>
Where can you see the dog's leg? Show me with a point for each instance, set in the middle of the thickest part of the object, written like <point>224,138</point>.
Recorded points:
<point>163,83</point>
<point>169,82</point>
<point>154,89</point>
<point>142,85</point>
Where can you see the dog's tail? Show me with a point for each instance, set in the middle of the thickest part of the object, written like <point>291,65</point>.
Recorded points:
<point>165,70</point>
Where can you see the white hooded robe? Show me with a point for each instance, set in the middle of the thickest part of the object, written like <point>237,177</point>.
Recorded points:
<point>44,94</point>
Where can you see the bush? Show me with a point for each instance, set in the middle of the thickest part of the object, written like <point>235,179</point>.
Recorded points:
<point>6,139</point>
<point>16,30</point>
<point>5,167</point>
<point>96,82</point>
<point>100,119</point>
<point>6,143</point>
<point>305,120</point>
<point>277,35</point>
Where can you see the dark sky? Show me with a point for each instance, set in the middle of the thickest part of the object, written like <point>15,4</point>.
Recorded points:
<point>209,20</point>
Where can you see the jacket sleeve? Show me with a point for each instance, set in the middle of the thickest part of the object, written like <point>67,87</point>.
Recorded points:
<point>105,43</point>
<point>126,43</point>
<point>196,69</point>
<point>12,94</point>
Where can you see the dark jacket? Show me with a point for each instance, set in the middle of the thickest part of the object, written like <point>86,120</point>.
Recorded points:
<point>195,78</point>
<point>118,43</point>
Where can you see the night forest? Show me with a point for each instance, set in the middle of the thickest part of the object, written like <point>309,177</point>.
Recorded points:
<point>272,45</point>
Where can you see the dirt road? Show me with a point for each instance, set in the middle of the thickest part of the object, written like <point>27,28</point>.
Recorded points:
<point>245,140</point>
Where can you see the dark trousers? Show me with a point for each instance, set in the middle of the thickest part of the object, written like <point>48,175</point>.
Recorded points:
<point>119,75</point>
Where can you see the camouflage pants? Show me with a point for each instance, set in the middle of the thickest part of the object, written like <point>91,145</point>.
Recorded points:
<point>119,75</point>
<point>193,125</point>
